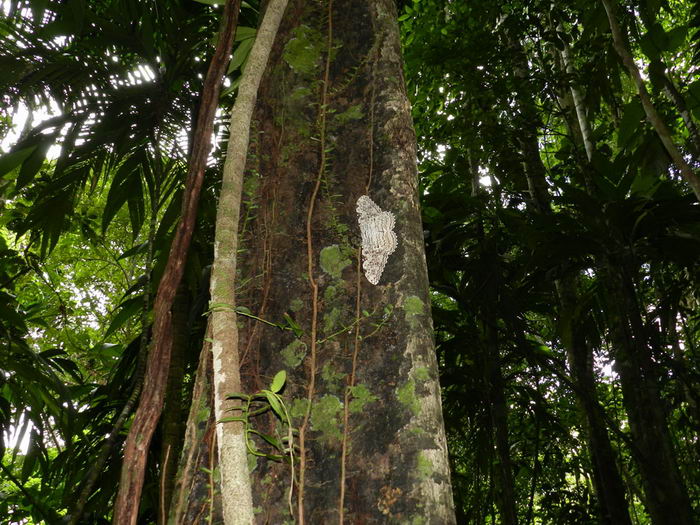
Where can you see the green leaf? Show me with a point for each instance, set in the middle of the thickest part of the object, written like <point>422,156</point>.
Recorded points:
<point>137,207</point>
<point>127,310</point>
<point>171,215</point>
<point>631,122</point>
<point>232,419</point>
<point>676,37</point>
<point>218,306</point>
<point>11,160</point>
<point>293,325</point>
<point>278,381</point>
<point>275,404</point>
<point>38,7</point>
<point>29,461</point>
<point>76,15</point>
<point>134,250</point>
<point>270,439</point>
<point>243,33</point>
<point>122,187</point>
<point>32,165</point>
<point>240,55</point>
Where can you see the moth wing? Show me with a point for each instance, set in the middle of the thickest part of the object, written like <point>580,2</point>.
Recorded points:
<point>366,208</point>
<point>374,263</point>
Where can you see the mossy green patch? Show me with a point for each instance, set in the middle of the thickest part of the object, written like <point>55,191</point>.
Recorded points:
<point>424,466</point>
<point>325,417</point>
<point>298,408</point>
<point>293,354</point>
<point>361,396</point>
<point>252,462</point>
<point>352,113</point>
<point>331,377</point>
<point>329,293</point>
<point>413,305</point>
<point>334,260</point>
<point>406,394</point>
<point>203,414</point>
<point>296,305</point>
<point>330,320</point>
<point>303,51</point>
<point>422,373</point>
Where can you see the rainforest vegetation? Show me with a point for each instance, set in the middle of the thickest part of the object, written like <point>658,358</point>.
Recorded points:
<point>558,157</point>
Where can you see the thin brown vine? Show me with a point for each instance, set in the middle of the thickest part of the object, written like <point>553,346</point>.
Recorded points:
<point>310,267</point>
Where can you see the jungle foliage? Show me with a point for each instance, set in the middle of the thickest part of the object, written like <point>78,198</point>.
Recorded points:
<point>563,244</point>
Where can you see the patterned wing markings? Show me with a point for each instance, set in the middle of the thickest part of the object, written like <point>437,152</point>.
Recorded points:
<point>378,237</point>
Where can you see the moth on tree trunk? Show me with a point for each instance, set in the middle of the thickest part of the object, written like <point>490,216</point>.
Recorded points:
<point>332,124</point>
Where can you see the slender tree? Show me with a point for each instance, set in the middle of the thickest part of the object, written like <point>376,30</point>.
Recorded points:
<point>235,482</point>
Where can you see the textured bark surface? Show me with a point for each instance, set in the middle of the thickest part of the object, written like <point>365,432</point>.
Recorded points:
<point>333,123</point>
<point>172,422</point>
<point>151,402</point>
<point>196,496</point>
<point>231,444</point>
<point>608,482</point>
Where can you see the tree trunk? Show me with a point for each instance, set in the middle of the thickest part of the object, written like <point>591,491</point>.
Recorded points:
<point>230,434</point>
<point>658,69</point>
<point>492,368</point>
<point>196,495</point>
<point>606,476</point>
<point>666,494</point>
<point>332,124</point>
<point>172,424</point>
<point>153,395</point>
<point>579,106</point>
<point>505,488</point>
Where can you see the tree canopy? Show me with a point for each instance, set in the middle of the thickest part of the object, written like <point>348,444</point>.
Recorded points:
<point>558,156</point>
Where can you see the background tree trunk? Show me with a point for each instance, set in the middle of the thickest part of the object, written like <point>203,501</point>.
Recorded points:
<point>196,496</point>
<point>606,476</point>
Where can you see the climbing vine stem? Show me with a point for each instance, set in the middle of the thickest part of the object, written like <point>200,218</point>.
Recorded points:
<point>310,265</point>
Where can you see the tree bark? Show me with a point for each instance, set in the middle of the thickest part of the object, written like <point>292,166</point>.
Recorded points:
<point>606,476</point>
<point>231,442</point>
<point>153,395</point>
<point>657,67</point>
<point>196,495</point>
<point>172,424</point>
<point>333,123</point>
<point>505,493</point>
<point>579,106</point>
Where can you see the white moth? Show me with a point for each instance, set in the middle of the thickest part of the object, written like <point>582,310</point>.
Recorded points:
<point>378,237</point>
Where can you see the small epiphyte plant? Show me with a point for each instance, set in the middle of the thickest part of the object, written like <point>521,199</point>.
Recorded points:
<point>259,403</point>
